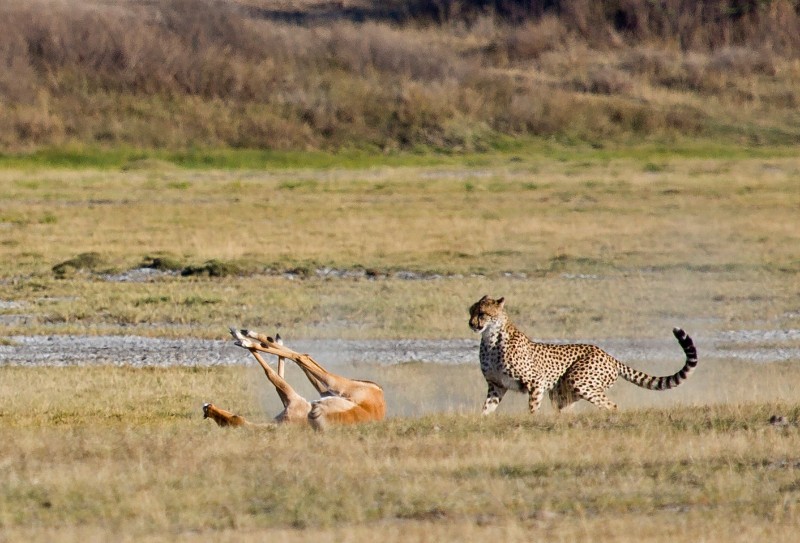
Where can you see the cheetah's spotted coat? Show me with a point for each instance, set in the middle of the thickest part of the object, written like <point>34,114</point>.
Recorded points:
<point>511,361</point>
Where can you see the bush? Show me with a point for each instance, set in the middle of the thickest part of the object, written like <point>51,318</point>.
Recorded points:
<point>386,75</point>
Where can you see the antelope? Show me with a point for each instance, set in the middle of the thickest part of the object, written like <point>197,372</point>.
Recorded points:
<point>342,400</point>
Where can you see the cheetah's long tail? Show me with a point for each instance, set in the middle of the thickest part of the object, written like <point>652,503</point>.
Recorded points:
<point>670,381</point>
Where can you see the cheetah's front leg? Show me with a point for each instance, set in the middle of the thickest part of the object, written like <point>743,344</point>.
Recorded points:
<point>493,397</point>
<point>535,395</point>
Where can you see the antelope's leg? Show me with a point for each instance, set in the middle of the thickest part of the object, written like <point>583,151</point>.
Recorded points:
<point>324,381</point>
<point>222,417</point>
<point>281,360</point>
<point>284,389</point>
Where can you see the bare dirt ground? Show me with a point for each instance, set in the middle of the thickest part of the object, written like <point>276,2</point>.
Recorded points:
<point>762,346</point>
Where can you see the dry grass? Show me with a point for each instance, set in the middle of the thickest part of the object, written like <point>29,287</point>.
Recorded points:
<point>527,216</point>
<point>95,452</point>
<point>554,305</point>
<point>583,248</point>
<point>583,243</point>
<point>100,451</point>
<point>190,74</point>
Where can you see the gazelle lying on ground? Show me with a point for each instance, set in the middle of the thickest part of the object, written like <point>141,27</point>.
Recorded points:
<point>343,401</point>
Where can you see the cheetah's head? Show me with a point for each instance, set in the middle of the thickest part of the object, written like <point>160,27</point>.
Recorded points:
<point>484,312</point>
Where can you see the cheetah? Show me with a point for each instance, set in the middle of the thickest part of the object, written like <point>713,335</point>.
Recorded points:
<point>511,361</point>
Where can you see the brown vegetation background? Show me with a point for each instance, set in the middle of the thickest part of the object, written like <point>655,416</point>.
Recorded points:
<point>391,74</point>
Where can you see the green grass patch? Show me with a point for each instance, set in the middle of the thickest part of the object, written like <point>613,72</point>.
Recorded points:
<point>212,159</point>
<point>525,151</point>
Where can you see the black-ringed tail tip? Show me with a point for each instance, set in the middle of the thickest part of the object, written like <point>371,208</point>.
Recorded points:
<point>687,344</point>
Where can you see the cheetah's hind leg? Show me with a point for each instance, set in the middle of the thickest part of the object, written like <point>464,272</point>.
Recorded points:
<point>597,397</point>
<point>588,379</point>
<point>562,395</point>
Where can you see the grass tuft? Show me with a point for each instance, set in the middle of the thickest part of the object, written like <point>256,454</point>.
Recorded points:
<point>218,268</point>
<point>84,262</point>
<point>163,263</point>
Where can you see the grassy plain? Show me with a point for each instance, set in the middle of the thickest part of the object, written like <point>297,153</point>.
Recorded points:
<point>583,246</point>
<point>368,170</point>
<point>599,246</point>
<point>94,453</point>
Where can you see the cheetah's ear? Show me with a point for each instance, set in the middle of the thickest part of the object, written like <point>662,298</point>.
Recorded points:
<point>485,297</point>
<point>501,301</point>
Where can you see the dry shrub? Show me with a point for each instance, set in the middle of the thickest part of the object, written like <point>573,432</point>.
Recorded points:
<point>692,25</point>
<point>37,123</point>
<point>536,109</point>
<point>530,40</point>
<point>258,127</point>
<point>209,24</point>
<point>587,18</point>
<point>708,73</point>
<point>655,64</point>
<point>186,47</point>
<point>17,76</point>
<point>602,80</point>
<point>743,61</point>
<point>217,73</point>
<point>542,111</point>
<point>420,114</point>
<point>379,49</point>
<point>667,68</point>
